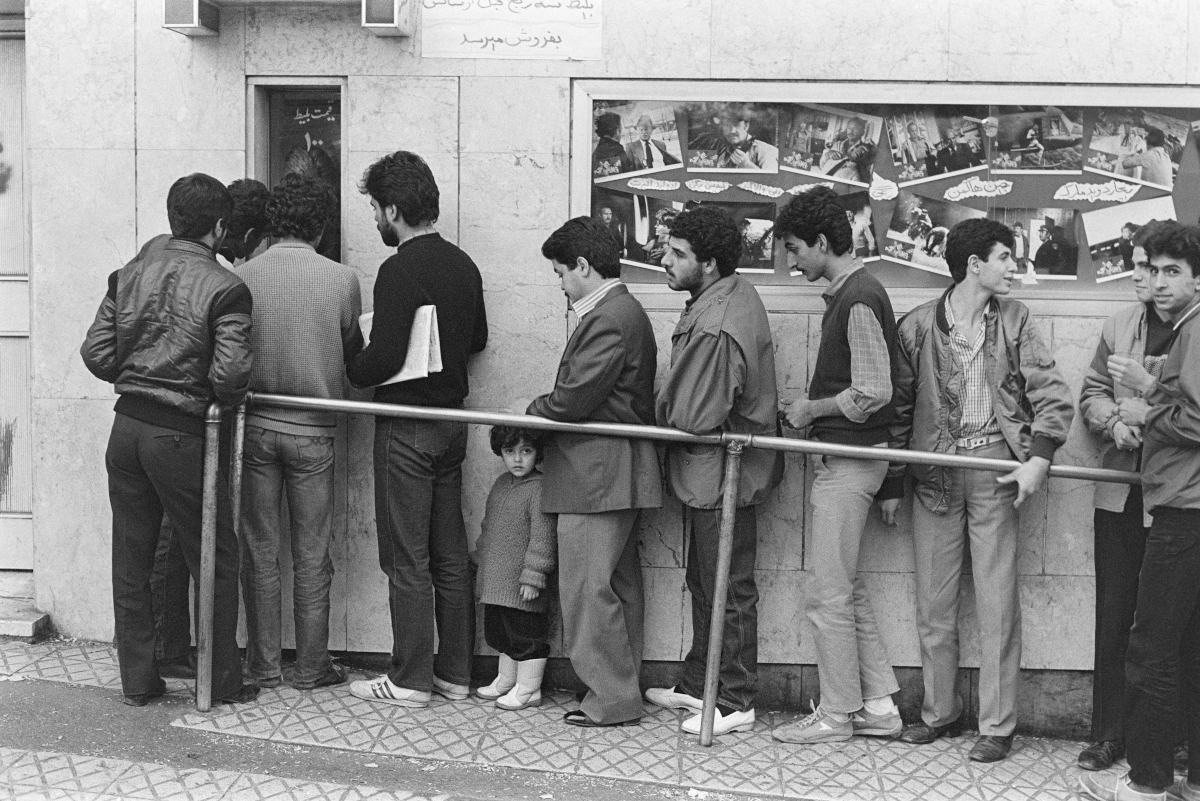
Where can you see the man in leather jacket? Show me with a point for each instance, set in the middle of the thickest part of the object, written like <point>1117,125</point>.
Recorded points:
<point>172,335</point>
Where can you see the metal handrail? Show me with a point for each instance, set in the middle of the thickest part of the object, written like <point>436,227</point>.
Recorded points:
<point>734,444</point>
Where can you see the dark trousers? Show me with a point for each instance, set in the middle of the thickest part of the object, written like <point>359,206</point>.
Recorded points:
<point>152,470</point>
<point>423,549</point>
<point>169,586</point>
<point>739,647</point>
<point>1162,664</point>
<point>516,633</point>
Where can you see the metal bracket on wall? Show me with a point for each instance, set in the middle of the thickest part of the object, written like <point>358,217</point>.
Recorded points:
<point>192,17</point>
<point>389,17</point>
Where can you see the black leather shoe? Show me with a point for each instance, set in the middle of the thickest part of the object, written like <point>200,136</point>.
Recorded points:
<point>245,695</point>
<point>1101,755</point>
<point>990,748</point>
<point>921,733</point>
<point>141,699</point>
<point>178,667</point>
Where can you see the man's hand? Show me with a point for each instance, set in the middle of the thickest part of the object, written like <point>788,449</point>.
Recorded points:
<point>1129,373</point>
<point>1029,478</point>
<point>740,158</point>
<point>800,413</point>
<point>528,592</point>
<point>1132,411</point>
<point>887,510</point>
<point>1127,438</point>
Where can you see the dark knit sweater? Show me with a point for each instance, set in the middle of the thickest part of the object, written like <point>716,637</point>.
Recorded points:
<point>425,270</point>
<point>519,543</point>
<point>832,373</point>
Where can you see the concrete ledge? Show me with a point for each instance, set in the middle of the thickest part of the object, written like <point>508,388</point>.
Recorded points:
<point>19,619</point>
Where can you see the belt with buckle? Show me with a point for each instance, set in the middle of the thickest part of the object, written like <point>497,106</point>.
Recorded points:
<point>979,442</point>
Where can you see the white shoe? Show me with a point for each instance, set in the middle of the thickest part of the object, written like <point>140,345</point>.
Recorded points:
<point>453,692</point>
<point>382,689</point>
<point>668,698</point>
<point>722,724</point>
<point>505,680</point>
<point>527,691</point>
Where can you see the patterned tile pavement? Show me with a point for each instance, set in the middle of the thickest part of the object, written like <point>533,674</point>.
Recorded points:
<point>472,732</point>
<point>41,775</point>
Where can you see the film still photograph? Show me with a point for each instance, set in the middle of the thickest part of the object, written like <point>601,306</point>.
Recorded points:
<point>1110,234</point>
<point>917,234</point>
<point>649,230</point>
<point>839,144</point>
<point>1046,242</point>
<point>1139,145</point>
<point>933,142</point>
<point>1045,139</point>
<point>732,137</point>
<point>757,223</point>
<point>634,136</point>
<point>616,212</point>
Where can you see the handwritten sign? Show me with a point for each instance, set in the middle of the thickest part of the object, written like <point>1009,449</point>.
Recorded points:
<point>561,30</point>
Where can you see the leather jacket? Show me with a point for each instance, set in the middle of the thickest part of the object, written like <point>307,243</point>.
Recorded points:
<point>173,329</point>
<point>1031,400</point>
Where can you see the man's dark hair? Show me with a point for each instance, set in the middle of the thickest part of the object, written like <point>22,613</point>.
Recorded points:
<point>1144,232</point>
<point>502,437</point>
<point>249,207</point>
<point>300,207</point>
<point>589,238</point>
<point>403,180</point>
<point>609,124</point>
<point>713,234</point>
<point>973,238</point>
<point>1155,138</point>
<point>194,205</point>
<point>1175,241</point>
<point>814,212</point>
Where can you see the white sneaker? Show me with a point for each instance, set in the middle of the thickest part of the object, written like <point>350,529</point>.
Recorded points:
<point>668,698</point>
<point>453,692</point>
<point>382,689</point>
<point>722,724</point>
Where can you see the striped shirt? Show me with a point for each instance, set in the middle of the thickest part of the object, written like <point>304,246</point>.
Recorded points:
<point>975,396</point>
<point>870,368</point>
<point>593,298</point>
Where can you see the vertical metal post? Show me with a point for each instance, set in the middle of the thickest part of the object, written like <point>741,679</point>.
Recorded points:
<point>208,559</point>
<point>235,468</point>
<point>720,598</point>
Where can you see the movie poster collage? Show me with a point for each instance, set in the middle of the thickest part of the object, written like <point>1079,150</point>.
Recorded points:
<point>1074,183</point>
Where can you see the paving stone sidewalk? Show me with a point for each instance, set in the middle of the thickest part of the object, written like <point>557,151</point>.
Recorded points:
<point>656,752</point>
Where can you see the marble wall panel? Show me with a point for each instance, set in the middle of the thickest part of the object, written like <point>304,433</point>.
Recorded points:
<point>664,534</point>
<point>1070,542</point>
<point>790,336</point>
<point>784,635</point>
<point>306,40</point>
<point>72,518</point>
<point>1058,622</point>
<point>411,113</point>
<point>157,170</point>
<point>204,78</point>
<point>667,607</point>
<point>864,40</point>
<point>515,190</point>
<point>1059,42</point>
<point>76,251</point>
<point>497,119</point>
<point>80,69</point>
<point>781,520</point>
<point>1193,45</point>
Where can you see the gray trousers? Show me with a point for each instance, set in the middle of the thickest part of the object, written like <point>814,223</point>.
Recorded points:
<point>600,589</point>
<point>852,661</point>
<point>985,510</point>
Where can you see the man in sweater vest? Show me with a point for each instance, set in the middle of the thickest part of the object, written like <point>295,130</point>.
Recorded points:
<point>849,402</point>
<point>722,378</point>
<point>305,328</point>
<point>974,377</point>
<point>418,463</point>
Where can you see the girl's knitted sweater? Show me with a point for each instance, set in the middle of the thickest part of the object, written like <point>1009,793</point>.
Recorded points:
<point>519,543</point>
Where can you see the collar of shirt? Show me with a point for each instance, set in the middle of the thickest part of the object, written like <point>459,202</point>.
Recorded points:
<point>975,344</point>
<point>591,299</point>
<point>835,286</point>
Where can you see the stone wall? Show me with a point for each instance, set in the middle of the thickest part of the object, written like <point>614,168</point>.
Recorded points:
<point>120,107</point>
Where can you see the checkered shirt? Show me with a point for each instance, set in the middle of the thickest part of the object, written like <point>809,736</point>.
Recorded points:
<point>978,416</point>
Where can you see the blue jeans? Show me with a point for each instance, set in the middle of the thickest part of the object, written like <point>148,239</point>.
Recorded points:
<point>1162,663</point>
<point>303,467</point>
<point>739,645</point>
<point>423,549</point>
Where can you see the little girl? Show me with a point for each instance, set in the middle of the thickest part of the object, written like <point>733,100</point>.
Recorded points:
<point>516,552</point>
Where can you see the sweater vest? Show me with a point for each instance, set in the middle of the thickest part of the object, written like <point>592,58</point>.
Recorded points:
<point>832,373</point>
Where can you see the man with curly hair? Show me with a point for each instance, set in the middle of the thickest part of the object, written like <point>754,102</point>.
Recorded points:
<point>722,378</point>
<point>305,329</point>
<point>848,403</point>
